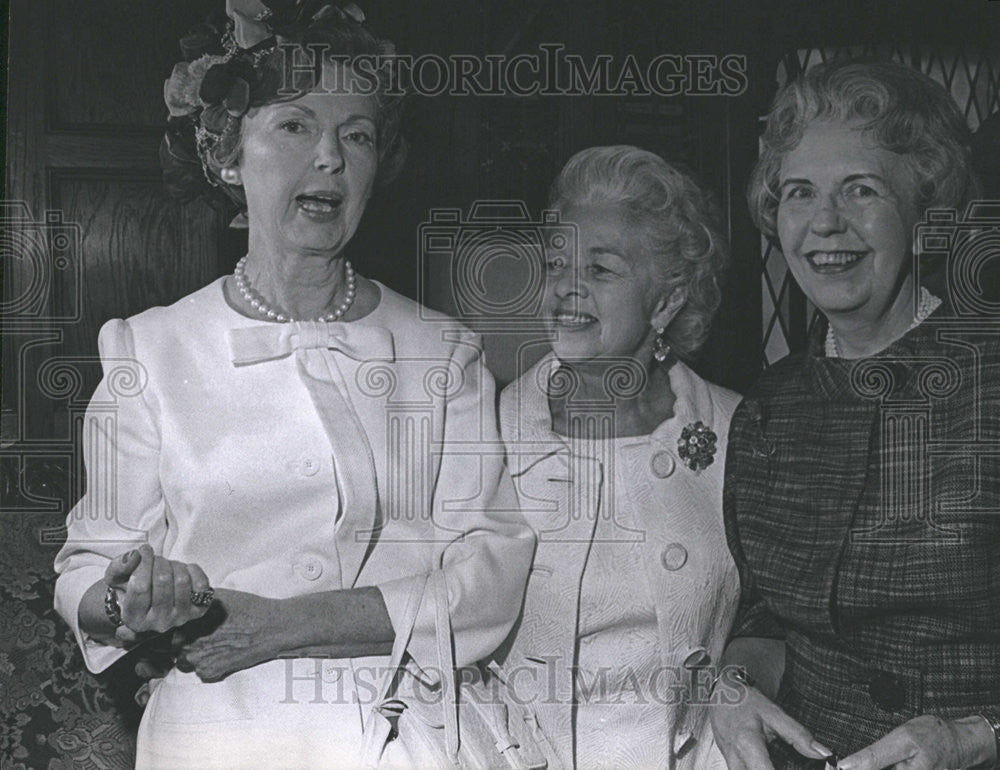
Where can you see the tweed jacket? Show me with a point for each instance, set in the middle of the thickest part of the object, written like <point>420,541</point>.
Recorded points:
<point>252,463</point>
<point>689,571</point>
<point>862,507</point>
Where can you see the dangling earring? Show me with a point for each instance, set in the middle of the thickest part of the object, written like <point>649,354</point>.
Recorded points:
<point>660,347</point>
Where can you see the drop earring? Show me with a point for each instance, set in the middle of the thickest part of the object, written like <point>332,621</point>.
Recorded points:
<point>660,347</point>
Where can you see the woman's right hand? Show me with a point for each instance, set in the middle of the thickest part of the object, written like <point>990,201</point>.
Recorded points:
<point>154,592</point>
<point>742,731</point>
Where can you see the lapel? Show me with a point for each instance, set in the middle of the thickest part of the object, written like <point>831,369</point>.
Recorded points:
<point>559,491</point>
<point>357,530</point>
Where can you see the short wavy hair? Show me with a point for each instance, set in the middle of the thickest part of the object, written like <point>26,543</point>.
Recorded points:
<point>189,173</point>
<point>677,219</point>
<point>905,111</point>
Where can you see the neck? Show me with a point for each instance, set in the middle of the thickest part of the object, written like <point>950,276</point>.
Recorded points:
<point>859,336</point>
<point>302,284</point>
<point>636,395</point>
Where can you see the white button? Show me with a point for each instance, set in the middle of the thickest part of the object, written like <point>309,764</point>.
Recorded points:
<point>697,658</point>
<point>662,464</point>
<point>309,466</point>
<point>310,569</point>
<point>674,557</point>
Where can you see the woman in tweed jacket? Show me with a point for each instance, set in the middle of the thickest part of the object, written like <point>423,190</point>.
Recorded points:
<point>862,475</point>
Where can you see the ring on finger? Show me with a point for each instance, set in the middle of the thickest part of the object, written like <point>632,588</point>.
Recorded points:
<point>202,598</point>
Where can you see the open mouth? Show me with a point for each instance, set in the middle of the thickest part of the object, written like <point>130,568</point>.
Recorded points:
<point>573,320</point>
<point>834,261</point>
<point>319,204</point>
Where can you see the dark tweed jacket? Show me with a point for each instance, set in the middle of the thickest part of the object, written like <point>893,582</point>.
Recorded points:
<point>862,507</point>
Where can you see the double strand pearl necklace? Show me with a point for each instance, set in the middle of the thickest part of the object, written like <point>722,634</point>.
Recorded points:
<point>927,305</point>
<point>257,302</point>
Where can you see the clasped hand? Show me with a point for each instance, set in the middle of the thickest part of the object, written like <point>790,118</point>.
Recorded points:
<point>924,743</point>
<point>155,593</point>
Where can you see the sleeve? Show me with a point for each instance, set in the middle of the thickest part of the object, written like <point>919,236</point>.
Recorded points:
<point>753,618</point>
<point>123,505</point>
<point>488,549</point>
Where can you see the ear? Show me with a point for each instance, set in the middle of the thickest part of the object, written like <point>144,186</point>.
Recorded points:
<point>231,175</point>
<point>667,308</point>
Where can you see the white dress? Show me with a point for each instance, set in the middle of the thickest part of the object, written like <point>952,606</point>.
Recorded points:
<point>300,468</point>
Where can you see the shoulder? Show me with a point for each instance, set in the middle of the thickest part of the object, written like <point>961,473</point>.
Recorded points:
<point>525,396</point>
<point>192,310</point>
<point>418,330</point>
<point>154,328</point>
<point>712,404</point>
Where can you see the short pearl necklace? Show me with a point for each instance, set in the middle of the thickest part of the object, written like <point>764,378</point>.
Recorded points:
<point>257,302</point>
<point>927,305</point>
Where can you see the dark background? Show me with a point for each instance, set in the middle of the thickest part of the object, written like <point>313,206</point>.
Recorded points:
<point>84,115</point>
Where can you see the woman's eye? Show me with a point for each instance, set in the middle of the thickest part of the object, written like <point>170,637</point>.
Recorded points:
<point>293,126</point>
<point>798,193</point>
<point>357,136</point>
<point>861,191</point>
<point>599,270</point>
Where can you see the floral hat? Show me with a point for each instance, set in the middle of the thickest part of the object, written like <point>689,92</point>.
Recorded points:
<point>221,78</point>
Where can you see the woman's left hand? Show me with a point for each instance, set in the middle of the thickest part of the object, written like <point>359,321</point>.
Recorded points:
<point>241,632</point>
<point>927,743</point>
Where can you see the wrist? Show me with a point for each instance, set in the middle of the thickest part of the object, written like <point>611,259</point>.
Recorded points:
<point>293,629</point>
<point>988,726</point>
<point>976,739</point>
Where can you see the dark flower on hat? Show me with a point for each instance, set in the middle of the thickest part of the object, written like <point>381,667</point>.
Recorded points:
<point>288,17</point>
<point>181,89</point>
<point>696,446</point>
<point>201,40</point>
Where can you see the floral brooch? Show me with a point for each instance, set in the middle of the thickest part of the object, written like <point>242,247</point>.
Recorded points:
<point>696,446</point>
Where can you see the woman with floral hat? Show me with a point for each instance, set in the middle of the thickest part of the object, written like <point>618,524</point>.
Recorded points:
<point>267,459</point>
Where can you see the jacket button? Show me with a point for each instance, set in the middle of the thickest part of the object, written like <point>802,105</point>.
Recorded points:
<point>309,466</point>
<point>674,557</point>
<point>698,658</point>
<point>887,691</point>
<point>662,464</point>
<point>310,569</point>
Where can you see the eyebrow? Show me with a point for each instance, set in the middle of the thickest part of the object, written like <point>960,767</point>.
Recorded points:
<point>848,178</point>
<point>354,116</point>
<point>604,251</point>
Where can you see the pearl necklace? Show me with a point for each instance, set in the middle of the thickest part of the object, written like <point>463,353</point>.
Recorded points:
<point>927,305</point>
<point>257,302</point>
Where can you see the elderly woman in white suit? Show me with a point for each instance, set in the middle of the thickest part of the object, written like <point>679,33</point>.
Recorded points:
<point>283,437</point>
<point>616,448</point>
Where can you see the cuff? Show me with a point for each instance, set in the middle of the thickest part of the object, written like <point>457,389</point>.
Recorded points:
<point>70,588</point>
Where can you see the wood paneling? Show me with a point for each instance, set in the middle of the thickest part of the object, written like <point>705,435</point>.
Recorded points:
<point>139,249</point>
<point>108,59</point>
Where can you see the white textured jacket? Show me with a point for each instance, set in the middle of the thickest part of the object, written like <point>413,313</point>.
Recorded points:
<point>690,572</point>
<point>287,459</point>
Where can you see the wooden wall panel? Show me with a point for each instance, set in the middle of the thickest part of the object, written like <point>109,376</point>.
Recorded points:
<point>102,75</point>
<point>139,249</point>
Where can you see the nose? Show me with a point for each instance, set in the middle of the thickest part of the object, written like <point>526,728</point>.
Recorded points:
<point>329,154</point>
<point>568,283</point>
<point>828,217</point>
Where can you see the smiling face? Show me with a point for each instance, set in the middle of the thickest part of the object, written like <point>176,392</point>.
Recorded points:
<point>602,301</point>
<point>308,167</point>
<point>845,221</point>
